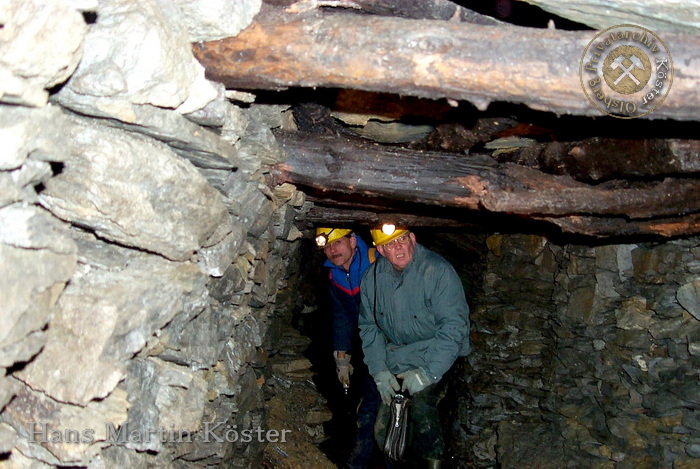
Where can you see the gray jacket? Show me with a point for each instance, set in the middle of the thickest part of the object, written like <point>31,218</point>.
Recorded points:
<point>415,318</point>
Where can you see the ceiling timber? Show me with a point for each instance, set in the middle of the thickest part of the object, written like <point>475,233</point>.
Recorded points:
<point>573,169</point>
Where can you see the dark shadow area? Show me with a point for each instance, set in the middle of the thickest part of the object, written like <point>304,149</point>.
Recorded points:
<point>317,325</point>
<point>465,250</point>
<point>520,14</point>
<point>90,17</point>
<point>314,108</point>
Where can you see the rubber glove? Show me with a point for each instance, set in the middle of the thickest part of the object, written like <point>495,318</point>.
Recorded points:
<point>414,380</point>
<point>386,385</point>
<point>343,368</point>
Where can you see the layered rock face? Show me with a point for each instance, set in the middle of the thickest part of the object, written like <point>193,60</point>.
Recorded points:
<point>140,250</point>
<point>584,356</point>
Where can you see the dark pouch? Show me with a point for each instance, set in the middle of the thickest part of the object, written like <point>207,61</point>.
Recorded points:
<point>397,432</point>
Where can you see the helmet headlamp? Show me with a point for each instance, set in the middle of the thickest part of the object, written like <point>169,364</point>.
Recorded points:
<point>322,238</point>
<point>326,236</point>
<point>386,233</point>
<point>388,229</point>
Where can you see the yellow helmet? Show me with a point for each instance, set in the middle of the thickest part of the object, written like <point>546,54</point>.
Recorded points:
<point>327,236</point>
<point>386,234</point>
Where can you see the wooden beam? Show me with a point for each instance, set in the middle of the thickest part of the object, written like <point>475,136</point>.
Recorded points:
<point>428,58</point>
<point>601,159</point>
<point>528,191</point>
<point>320,214</point>
<point>357,167</point>
<point>337,165</point>
<point>688,225</point>
<point>347,213</point>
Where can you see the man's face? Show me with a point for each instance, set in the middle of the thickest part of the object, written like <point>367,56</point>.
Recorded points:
<point>399,252</point>
<point>340,252</point>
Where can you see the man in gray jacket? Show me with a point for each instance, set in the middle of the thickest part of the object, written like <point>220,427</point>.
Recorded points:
<point>414,323</point>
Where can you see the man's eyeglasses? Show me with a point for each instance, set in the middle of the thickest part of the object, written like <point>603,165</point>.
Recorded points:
<point>403,239</point>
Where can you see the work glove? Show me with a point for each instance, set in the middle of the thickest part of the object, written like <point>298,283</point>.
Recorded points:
<point>343,368</point>
<point>414,380</point>
<point>386,385</point>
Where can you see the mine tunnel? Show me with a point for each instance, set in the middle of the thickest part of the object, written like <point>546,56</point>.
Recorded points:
<point>165,165</point>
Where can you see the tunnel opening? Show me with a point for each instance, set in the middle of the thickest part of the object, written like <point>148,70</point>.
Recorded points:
<point>576,345</point>
<point>312,318</point>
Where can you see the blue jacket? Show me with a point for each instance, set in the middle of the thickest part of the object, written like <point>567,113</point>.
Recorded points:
<point>344,290</point>
<point>414,318</point>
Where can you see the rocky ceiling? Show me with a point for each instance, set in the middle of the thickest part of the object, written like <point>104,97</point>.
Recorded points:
<point>471,114</point>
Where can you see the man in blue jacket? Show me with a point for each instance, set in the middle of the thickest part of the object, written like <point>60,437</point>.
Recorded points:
<point>414,323</point>
<point>348,259</point>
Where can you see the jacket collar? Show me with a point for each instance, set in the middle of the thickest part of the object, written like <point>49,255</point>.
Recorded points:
<point>350,280</point>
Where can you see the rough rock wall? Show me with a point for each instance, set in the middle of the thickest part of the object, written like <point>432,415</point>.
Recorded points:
<point>584,356</point>
<point>140,250</point>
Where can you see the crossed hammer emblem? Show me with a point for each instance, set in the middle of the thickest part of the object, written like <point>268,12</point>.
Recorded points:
<point>626,71</point>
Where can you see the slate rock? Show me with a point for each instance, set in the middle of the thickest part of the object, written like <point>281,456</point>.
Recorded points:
<point>209,20</point>
<point>282,221</point>
<point>160,203</point>
<point>240,349</point>
<point>27,132</point>
<point>181,397</point>
<point>535,445</point>
<point>120,456</point>
<point>8,438</point>
<point>688,296</point>
<point>8,388</point>
<point>41,47</point>
<point>137,52</point>
<point>214,114</point>
<point>231,282</point>
<point>105,318</point>
<point>19,185</point>
<point>249,203</point>
<point>30,410</point>
<point>201,146</point>
<point>198,342</point>
<point>142,388</point>
<point>258,146</point>
<point>37,258</point>
<point>215,260</point>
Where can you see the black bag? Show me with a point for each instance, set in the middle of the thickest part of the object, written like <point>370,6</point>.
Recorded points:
<point>397,432</point>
